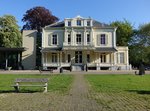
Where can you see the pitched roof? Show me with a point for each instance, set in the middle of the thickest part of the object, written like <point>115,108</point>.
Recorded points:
<point>95,24</point>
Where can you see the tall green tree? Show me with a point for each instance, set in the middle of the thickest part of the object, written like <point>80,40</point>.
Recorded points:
<point>140,46</point>
<point>124,32</point>
<point>10,35</point>
<point>38,17</point>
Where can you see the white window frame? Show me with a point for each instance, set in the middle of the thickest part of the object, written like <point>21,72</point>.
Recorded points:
<point>79,22</point>
<point>121,57</point>
<point>88,35</point>
<point>56,39</point>
<point>69,36</point>
<point>102,39</point>
<point>88,23</point>
<point>69,23</point>
<point>54,58</point>
<point>78,39</point>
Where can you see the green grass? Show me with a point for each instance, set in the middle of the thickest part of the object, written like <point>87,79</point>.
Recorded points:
<point>121,92</point>
<point>117,83</point>
<point>57,83</point>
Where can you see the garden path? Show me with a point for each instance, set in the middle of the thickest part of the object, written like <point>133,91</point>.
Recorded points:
<point>78,98</point>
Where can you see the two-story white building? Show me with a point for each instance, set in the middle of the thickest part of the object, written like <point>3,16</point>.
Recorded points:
<point>82,43</point>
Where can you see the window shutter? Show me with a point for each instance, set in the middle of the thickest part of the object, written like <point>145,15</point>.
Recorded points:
<point>49,40</point>
<point>106,39</point>
<point>57,40</point>
<point>98,40</point>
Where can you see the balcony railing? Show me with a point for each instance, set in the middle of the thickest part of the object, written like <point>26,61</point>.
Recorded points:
<point>62,64</point>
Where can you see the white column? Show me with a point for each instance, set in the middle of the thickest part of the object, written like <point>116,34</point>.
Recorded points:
<point>46,59</point>
<point>84,37</point>
<point>127,58</point>
<point>72,37</point>
<point>91,37</point>
<point>65,37</point>
<point>115,58</point>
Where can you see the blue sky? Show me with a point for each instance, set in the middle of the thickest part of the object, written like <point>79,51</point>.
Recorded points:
<point>136,11</point>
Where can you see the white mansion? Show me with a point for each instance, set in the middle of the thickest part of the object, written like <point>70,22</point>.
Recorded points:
<point>82,43</point>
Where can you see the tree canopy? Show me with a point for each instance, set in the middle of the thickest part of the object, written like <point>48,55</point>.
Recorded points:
<point>124,32</point>
<point>38,17</point>
<point>10,35</point>
<point>140,46</point>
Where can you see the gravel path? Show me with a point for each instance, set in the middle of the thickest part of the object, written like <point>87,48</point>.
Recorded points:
<point>78,98</point>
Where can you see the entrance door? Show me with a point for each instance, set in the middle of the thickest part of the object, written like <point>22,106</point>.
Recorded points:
<point>78,57</point>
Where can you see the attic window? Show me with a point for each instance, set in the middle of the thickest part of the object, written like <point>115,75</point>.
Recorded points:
<point>69,23</point>
<point>78,22</point>
<point>88,23</point>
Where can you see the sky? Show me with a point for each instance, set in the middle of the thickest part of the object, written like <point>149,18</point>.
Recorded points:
<point>136,12</point>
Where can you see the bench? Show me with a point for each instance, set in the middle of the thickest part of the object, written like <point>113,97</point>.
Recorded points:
<point>22,82</point>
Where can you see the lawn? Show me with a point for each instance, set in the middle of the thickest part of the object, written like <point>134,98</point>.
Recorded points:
<point>59,83</point>
<point>121,92</point>
<point>30,98</point>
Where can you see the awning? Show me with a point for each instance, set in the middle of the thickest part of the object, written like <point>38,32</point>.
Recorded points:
<point>4,49</point>
<point>105,49</point>
<point>51,49</point>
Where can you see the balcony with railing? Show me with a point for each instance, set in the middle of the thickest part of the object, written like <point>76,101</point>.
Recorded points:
<point>78,45</point>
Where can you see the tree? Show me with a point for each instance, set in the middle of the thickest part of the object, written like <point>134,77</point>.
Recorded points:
<point>10,35</point>
<point>124,32</point>
<point>38,17</point>
<point>140,46</point>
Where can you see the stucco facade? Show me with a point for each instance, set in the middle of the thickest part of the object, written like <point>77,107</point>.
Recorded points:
<point>29,56</point>
<point>82,44</point>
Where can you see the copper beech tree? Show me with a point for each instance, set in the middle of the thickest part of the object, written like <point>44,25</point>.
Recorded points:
<point>38,17</point>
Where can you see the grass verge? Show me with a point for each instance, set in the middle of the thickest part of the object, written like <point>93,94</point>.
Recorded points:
<point>121,92</point>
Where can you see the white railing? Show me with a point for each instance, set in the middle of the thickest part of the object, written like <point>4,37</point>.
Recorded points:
<point>56,64</point>
<point>104,64</point>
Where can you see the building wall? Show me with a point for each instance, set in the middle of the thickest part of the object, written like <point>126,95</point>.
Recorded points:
<point>29,56</point>
<point>47,38</point>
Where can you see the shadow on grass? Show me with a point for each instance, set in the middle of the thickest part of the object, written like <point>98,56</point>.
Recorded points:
<point>139,91</point>
<point>21,91</point>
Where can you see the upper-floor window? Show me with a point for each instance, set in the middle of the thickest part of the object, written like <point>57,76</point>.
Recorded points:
<point>103,39</point>
<point>69,23</point>
<point>69,38</point>
<point>54,39</point>
<point>78,38</point>
<point>78,22</point>
<point>88,23</point>
<point>88,38</point>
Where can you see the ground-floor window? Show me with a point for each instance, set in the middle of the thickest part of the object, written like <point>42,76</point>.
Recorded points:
<point>78,57</point>
<point>103,58</point>
<point>88,58</point>
<point>121,58</point>
<point>54,57</point>
<point>69,58</point>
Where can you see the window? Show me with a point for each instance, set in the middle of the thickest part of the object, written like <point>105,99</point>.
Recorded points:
<point>103,58</point>
<point>78,38</point>
<point>103,39</point>
<point>69,58</point>
<point>69,23</point>
<point>78,22</point>
<point>121,58</point>
<point>54,57</point>
<point>88,23</point>
<point>69,39</point>
<point>54,39</point>
<point>88,58</point>
<point>88,38</point>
